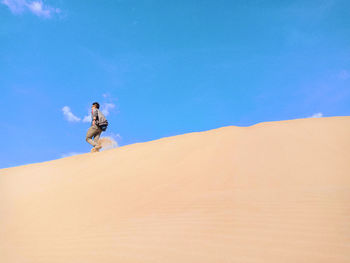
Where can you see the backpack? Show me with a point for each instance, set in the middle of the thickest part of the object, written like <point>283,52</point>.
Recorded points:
<point>102,121</point>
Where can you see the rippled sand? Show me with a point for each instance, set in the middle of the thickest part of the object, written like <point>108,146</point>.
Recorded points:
<point>273,192</point>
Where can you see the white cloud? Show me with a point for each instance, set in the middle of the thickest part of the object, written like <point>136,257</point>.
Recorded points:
<point>37,7</point>
<point>316,115</point>
<point>15,6</point>
<point>106,107</point>
<point>87,118</point>
<point>69,115</point>
<point>69,154</point>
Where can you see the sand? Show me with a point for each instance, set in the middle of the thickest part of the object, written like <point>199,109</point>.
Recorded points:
<point>272,192</point>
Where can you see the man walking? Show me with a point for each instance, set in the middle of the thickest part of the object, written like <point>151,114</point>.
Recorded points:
<point>98,121</point>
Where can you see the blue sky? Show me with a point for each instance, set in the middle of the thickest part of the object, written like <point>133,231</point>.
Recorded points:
<point>162,68</point>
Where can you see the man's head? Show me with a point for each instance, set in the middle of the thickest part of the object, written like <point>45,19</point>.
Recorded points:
<point>96,105</point>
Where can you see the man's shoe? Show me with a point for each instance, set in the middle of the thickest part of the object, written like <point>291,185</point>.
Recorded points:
<point>98,147</point>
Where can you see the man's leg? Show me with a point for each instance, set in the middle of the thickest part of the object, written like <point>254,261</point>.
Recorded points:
<point>92,132</point>
<point>97,138</point>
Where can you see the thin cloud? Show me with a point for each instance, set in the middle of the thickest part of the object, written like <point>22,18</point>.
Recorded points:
<point>37,7</point>
<point>87,118</point>
<point>15,6</point>
<point>316,115</point>
<point>69,115</point>
<point>106,107</point>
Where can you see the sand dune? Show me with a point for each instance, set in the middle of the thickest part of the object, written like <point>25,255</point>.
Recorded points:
<point>273,192</point>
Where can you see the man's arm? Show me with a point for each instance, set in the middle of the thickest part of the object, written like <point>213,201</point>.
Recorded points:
<point>94,116</point>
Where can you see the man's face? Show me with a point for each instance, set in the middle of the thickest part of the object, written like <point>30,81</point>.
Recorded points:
<point>93,106</point>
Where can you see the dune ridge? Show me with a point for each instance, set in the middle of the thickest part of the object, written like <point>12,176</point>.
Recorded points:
<point>272,192</point>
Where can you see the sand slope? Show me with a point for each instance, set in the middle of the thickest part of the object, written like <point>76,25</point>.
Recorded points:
<point>273,192</point>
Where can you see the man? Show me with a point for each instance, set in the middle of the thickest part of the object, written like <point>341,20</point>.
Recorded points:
<point>94,131</point>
